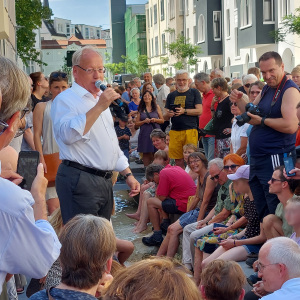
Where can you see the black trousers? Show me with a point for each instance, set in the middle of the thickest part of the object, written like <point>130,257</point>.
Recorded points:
<point>80,192</point>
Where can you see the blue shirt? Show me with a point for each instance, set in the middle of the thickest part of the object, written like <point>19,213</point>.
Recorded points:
<point>266,140</point>
<point>125,96</point>
<point>132,106</point>
<point>290,290</point>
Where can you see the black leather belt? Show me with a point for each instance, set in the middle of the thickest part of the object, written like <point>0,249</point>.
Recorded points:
<point>105,174</point>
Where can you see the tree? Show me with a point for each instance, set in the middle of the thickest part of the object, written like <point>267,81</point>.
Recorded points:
<point>184,52</point>
<point>290,24</point>
<point>29,16</point>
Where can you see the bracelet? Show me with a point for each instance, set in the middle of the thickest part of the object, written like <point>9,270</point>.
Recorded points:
<point>234,243</point>
<point>262,123</point>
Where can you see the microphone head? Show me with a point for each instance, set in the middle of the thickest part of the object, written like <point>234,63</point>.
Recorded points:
<point>98,84</point>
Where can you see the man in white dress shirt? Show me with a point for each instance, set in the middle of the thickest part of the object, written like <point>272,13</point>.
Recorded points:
<point>279,268</point>
<point>28,243</point>
<point>88,145</point>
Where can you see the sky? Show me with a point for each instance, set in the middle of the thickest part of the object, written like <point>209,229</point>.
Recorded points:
<point>89,12</point>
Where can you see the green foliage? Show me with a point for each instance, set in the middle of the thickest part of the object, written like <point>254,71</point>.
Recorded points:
<point>184,52</point>
<point>290,24</point>
<point>114,68</point>
<point>29,16</point>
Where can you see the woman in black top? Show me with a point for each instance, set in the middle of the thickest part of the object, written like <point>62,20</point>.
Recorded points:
<point>222,117</point>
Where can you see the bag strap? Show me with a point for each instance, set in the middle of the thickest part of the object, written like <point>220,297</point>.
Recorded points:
<point>49,295</point>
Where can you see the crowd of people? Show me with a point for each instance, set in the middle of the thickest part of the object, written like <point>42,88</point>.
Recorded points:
<point>222,172</point>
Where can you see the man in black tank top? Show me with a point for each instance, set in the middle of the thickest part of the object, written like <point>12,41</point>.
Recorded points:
<point>274,131</point>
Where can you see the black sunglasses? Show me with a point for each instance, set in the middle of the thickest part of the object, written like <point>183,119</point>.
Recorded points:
<point>274,179</point>
<point>247,85</point>
<point>59,74</point>
<point>216,176</point>
<point>233,103</point>
<point>232,167</point>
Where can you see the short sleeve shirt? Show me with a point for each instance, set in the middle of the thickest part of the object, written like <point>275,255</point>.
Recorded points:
<point>187,100</point>
<point>124,144</point>
<point>223,200</point>
<point>175,183</point>
<point>279,212</point>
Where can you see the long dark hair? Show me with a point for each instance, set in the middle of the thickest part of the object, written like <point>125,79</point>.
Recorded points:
<point>142,105</point>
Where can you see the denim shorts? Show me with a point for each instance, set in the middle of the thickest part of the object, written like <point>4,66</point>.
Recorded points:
<point>252,248</point>
<point>169,206</point>
<point>189,217</point>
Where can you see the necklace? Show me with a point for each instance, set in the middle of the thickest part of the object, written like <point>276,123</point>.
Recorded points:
<point>223,98</point>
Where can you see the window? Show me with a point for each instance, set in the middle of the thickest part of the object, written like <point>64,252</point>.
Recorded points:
<point>163,44</point>
<point>148,18</point>
<point>195,34</point>
<point>187,34</point>
<point>217,25</point>
<point>162,10</point>
<point>237,50</point>
<point>235,4</point>
<point>181,7</point>
<point>152,49</point>
<point>246,15</point>
<point>68,29</point>
<point>285,8</point>
<point>201,29</point>
<point>149,48</point>
<point>86,33</point>
<point>98,33</point>
<point>227,22</point>
<point>155,13</point>
<point>194,4</point>
<point>172,9</point>
<point>156,46</point>
<point>151,16</point>
<point>269,11</point>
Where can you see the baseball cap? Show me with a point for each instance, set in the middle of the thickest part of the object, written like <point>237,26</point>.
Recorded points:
<point>241,172</point>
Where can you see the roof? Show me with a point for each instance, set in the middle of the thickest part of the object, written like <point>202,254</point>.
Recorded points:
<point>63,44</point>
<point>52,30</point>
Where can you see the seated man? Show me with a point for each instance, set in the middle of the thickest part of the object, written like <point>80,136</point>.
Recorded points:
<point>278,266</point>
<point>276,225</point>
<point>174,188</point>
<point>222,280</point>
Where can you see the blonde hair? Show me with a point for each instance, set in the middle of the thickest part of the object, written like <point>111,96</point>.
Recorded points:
<point>152,279</point>
<point>161,154</point>
<point>223,280</point>
<point>56,220</point>
<point>296,70</point>
<point>15,88</point>
<point>190,146</point>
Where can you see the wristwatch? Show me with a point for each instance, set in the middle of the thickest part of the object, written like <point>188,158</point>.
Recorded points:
<point>127,175</point>
<point>185,112</point>
<point>262,123</point>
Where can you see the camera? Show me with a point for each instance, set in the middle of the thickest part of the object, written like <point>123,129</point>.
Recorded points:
<point>119,110</point>
<point>244,118</point>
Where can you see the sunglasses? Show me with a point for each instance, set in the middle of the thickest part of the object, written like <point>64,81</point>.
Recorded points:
<point>59,74</point>
<point>216,176</point>
<point>232,167</point>
<point>274,179</point>
<point>247,85</point>
<point>233,103</point>
<point>254,92</point>
<point>3,126</point>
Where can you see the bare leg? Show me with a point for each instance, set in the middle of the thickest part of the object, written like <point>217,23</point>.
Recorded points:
<point>142,224</point>
<point>124,249</point>
<point>164,246</point>
<point>153,205</point>
<point>147,158</point>
<point>52,205</point>
<point>180,163</point>
<point>272,226</point>
<point>137,214</point>
<point>198,265</point>
<point>175,230</point>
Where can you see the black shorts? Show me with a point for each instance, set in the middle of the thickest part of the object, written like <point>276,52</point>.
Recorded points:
<point>169,206</point>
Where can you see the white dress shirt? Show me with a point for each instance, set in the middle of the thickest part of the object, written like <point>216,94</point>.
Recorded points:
<point>290,290</point>
<point>236,133</point>
<point>99,147</point>
<point>163,92</point>
<point>27,246</point>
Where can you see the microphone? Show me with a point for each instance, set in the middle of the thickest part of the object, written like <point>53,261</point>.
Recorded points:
<point>100,85</point>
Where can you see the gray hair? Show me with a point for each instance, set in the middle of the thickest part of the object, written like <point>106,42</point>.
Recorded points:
<point>159,79</point>
<point>15,88</point>
<point>137,79</point>
<point>151,169</point>
<point>135,89</point>
<point>248,77</point>
<point>285,251</point>
<point>148,73</point>
<point>77,54</point>
<point>218,162</point>
<point>202,77</point>
<point>181,72</point>
<point>219,72</point>
<point>158,133</point>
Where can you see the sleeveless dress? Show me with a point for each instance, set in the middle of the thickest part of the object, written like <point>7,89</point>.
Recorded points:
<point>144,141</point>
<point>49,144</point>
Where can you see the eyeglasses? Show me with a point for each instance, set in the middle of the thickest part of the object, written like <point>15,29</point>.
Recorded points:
<point>247,85</point>
<point>3,126</point>
<point>261,267</point>
<point>59,74</point>
<point>194,161</point>
<point>274,179</point>
<point>216,176</point>
<point>24,112</point>
<point>254,92</point>
<point>91,70</point>
<point>232,167</point>
<point>233,103</point>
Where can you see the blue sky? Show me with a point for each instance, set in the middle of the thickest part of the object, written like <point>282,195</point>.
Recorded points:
<point>90,12</point>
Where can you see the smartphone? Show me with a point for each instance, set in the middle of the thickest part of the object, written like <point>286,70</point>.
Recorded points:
<point>288,164</point>
<point>216,225</point>
<point>27,167</point>
<point>174,106</point>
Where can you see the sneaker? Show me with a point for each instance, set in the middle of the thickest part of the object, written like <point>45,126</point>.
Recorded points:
<point>139,161</point>
<point>250,261</point>
<point>153,240</point>
<point>253,255</point>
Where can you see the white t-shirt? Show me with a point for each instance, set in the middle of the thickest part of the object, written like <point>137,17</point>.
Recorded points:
<point>236,133</point>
